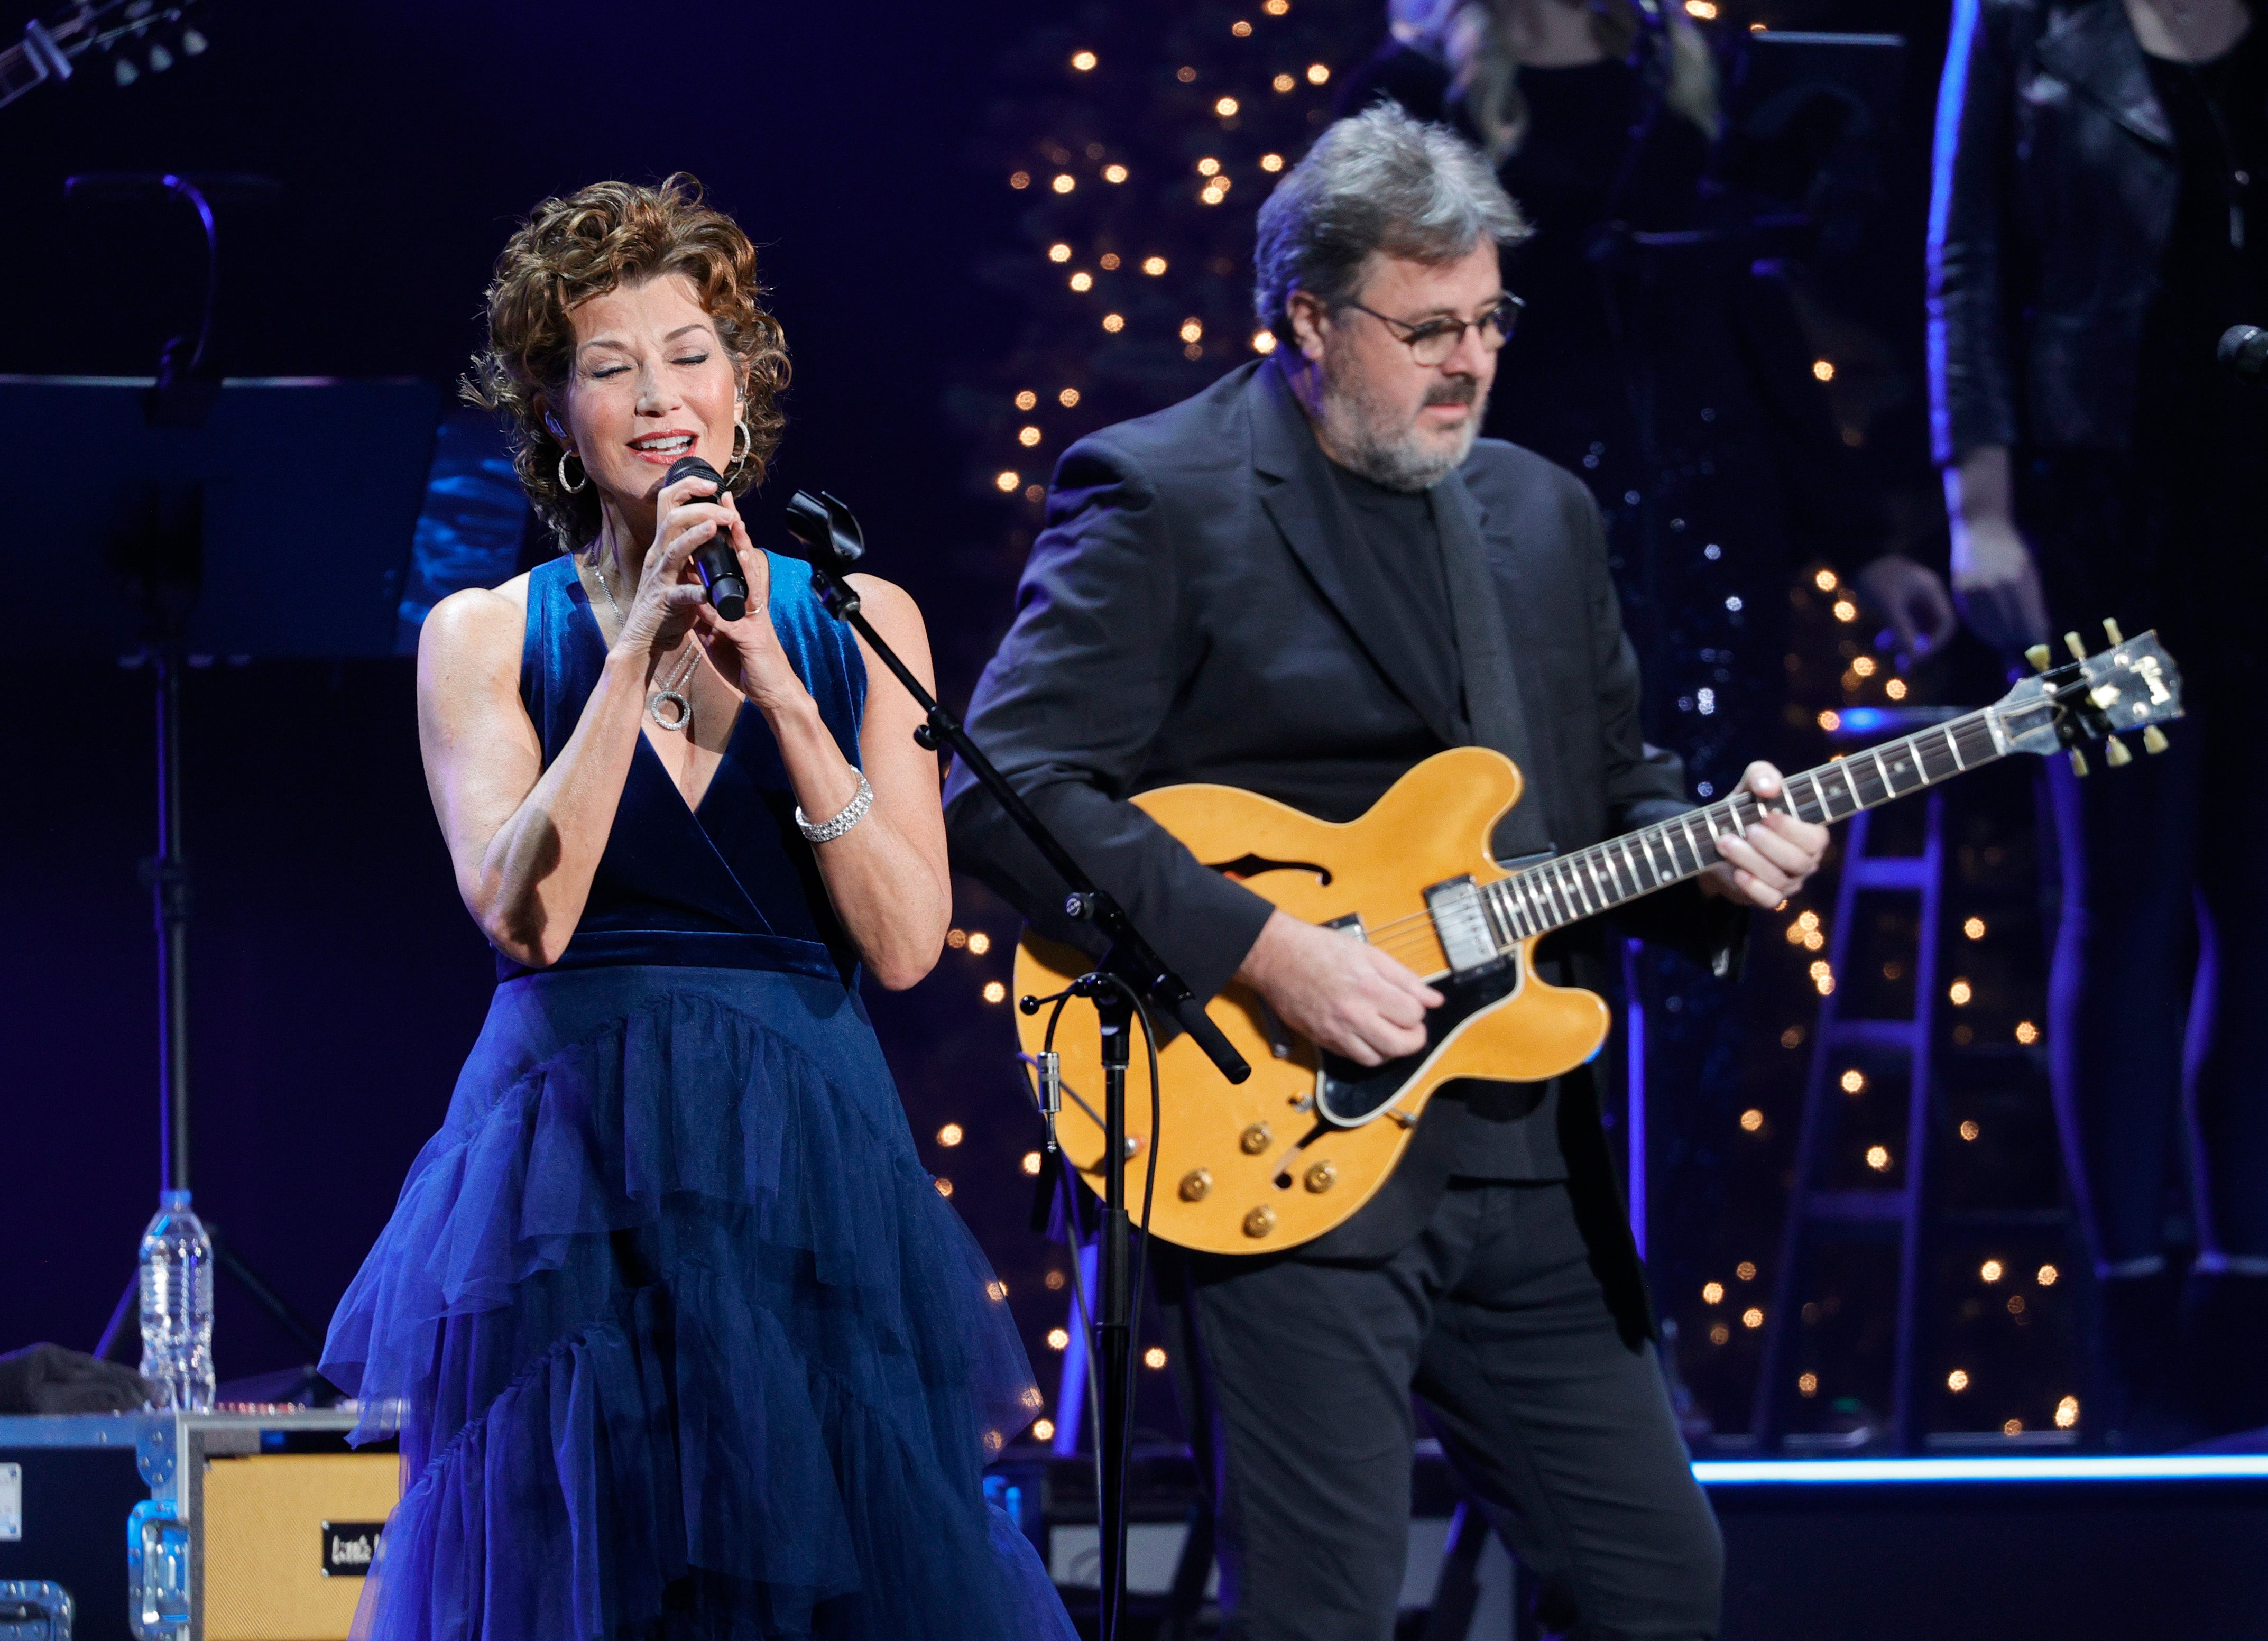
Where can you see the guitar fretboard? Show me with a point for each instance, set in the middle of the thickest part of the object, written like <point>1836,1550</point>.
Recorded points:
<point>1568,889</point>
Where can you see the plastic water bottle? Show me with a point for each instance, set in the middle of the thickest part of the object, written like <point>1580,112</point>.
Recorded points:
<point>177,1306</point>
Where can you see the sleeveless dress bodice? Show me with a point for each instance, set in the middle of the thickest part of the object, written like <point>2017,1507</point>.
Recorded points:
<point>677,1334</point>
<point>732,882</point>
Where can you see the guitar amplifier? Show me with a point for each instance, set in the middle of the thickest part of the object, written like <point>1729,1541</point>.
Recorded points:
<point>213,1526</point>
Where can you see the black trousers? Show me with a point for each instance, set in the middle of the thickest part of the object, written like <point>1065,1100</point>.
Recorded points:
<point>1493,1316</point>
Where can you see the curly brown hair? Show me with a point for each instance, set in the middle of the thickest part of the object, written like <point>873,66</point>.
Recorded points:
<point>569,250</point>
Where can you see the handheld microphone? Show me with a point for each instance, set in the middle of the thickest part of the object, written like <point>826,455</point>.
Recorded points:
<point>719,566</point>
<point>2243,354</point>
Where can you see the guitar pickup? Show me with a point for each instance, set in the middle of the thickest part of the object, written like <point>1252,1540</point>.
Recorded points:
<point>1461,923</point>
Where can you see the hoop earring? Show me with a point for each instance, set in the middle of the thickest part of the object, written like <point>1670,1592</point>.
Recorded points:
<point>566,456</point>
<point>744,440</point>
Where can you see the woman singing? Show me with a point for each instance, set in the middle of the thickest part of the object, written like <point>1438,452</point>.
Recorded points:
<point>679,1337</point>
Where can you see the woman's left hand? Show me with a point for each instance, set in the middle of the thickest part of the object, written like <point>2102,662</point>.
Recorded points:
<point>747,652</point>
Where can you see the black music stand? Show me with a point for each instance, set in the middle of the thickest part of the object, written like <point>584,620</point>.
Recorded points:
<point>277,524</point>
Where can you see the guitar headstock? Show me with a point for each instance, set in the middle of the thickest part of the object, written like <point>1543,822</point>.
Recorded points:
<point>2133,685</point>
<point>135,35</point>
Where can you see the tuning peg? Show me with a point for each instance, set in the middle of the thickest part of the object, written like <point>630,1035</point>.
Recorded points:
<point>2153,740</point>
<point>2115,753</point>
<point>192,43</point>
<point>2039,656</point>
<point>2079,763</point>
<point>160,59</point>
<point>2078,650</point>
<point>125,72</point>
<point>2110,631</point>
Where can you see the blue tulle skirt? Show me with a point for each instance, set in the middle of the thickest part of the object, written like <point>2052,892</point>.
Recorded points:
<point>680,1339</point>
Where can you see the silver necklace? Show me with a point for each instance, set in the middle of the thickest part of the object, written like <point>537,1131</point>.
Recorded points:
<point>672,694</point>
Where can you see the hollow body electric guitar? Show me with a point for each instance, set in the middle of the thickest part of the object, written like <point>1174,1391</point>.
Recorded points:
<point>1285,1156</point>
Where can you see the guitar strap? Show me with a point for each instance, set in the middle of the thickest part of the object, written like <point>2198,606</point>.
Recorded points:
<point>1492,697</point>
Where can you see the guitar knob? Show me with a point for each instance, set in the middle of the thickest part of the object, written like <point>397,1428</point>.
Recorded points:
<point>1196,1185</point>
<point>1320,1177</point>
<point>1255,1139</point>
<point>2110,631</point>
<point>2038,655</point>
<point>1260,1221</point>
<point>2115,753</point>
<point>2153,740</point>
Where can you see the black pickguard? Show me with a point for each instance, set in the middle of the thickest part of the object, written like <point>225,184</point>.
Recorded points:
<point>1348,1093</point>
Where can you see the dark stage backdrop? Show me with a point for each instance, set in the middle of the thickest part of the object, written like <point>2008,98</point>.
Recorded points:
<point>337,981</point>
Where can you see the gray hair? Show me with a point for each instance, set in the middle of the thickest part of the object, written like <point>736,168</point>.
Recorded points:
<point>1378,182</point>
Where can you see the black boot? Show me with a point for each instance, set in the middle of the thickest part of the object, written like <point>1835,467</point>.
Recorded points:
<point>2135,1405</point>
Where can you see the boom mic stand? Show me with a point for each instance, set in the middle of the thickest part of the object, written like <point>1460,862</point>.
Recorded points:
<point>1131,974</point>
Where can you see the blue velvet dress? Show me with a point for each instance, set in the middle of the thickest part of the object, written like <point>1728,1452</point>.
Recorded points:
<point>678,1335</point>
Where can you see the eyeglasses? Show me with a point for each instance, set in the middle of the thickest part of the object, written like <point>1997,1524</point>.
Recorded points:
<point>1434,339</point>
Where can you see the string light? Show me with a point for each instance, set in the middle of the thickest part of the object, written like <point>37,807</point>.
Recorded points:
<point>1973,927</point>
<point>1896,689</point>
<point>996,1290</point>
<point>1719,1334</point>
<point>1823,369</point>
<point>1058,1339</point>
<point>2013,1427</point>
<point>951,1134</point>
<point>1991,1270</point>
<point>2067,1413</point>
<point>1957,1380</point>
<point>1020,178</point>
<point>1192,329</point>
<point>1186,75</point>
<point>1083,61</point>
<point>1824,581</point>
<point>1035,492</point>
<point>1154,265</point>
<point>1317,74</point>
<point>1154,1357</point>
<point>1059,253</point>
<point>1241,29</point>
<point>1263,342</point>
<point>1226,107</point>
<point>1271,162</point>
<point>1704,10</point>
<point>1027,437</point>
<point>1031,1162</point>
<point>1082,280</point>
<point>979,942</point>
<point>1746,1271</point>
<point>1791,1038</point>
<point>2015,1304</point>
<point>1275,8</point>
<point>1822,978</point>
<point>1068,397</point>
<point>1807,1384</point>
<point>1831,720</point>
<point>1751,1120</point>
<point>943,1186</point>
<point>1008,480</point>
<point>1043,1430</point>
<point>1863,665</point>
<point>1054,1281</point>
<point>1114,322</point>
<point>2047,1277</point>
<point>1854,1081</point>
<point>1845,610</point>
<point>1959,992</point>
<point>955,939</point>
<point>995,992</point>
<point>2027,1032</point>
<point>1064,182</point>
<point>1752,1317</point>
<point>1024,401</point>
<point>1283,83</point>
<point>1712,1293</point>
<point>1208,166</point>
<point>1878,1159</point>
<point>1969,1128</point>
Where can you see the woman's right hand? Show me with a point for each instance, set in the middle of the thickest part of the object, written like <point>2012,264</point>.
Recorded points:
<point>669,592</point>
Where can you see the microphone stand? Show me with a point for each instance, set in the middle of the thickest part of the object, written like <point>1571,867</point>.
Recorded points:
<point>1131,974</point>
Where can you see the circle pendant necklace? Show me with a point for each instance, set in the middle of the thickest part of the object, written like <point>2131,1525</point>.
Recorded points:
<point>671,695</point>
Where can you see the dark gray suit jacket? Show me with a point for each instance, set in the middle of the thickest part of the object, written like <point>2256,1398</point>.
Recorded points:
<point>1191,614</point>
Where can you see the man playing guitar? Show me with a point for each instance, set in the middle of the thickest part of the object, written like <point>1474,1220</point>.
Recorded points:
<point>1303,582</point>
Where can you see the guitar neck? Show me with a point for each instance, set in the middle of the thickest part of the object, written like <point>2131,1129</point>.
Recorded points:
<point>19,71</point>
<point>1568,889</point>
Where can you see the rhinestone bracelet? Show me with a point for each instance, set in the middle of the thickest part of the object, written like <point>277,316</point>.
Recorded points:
<point>853,813</point>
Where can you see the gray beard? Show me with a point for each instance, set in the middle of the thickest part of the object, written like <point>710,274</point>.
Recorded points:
<point>1393,461</point>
